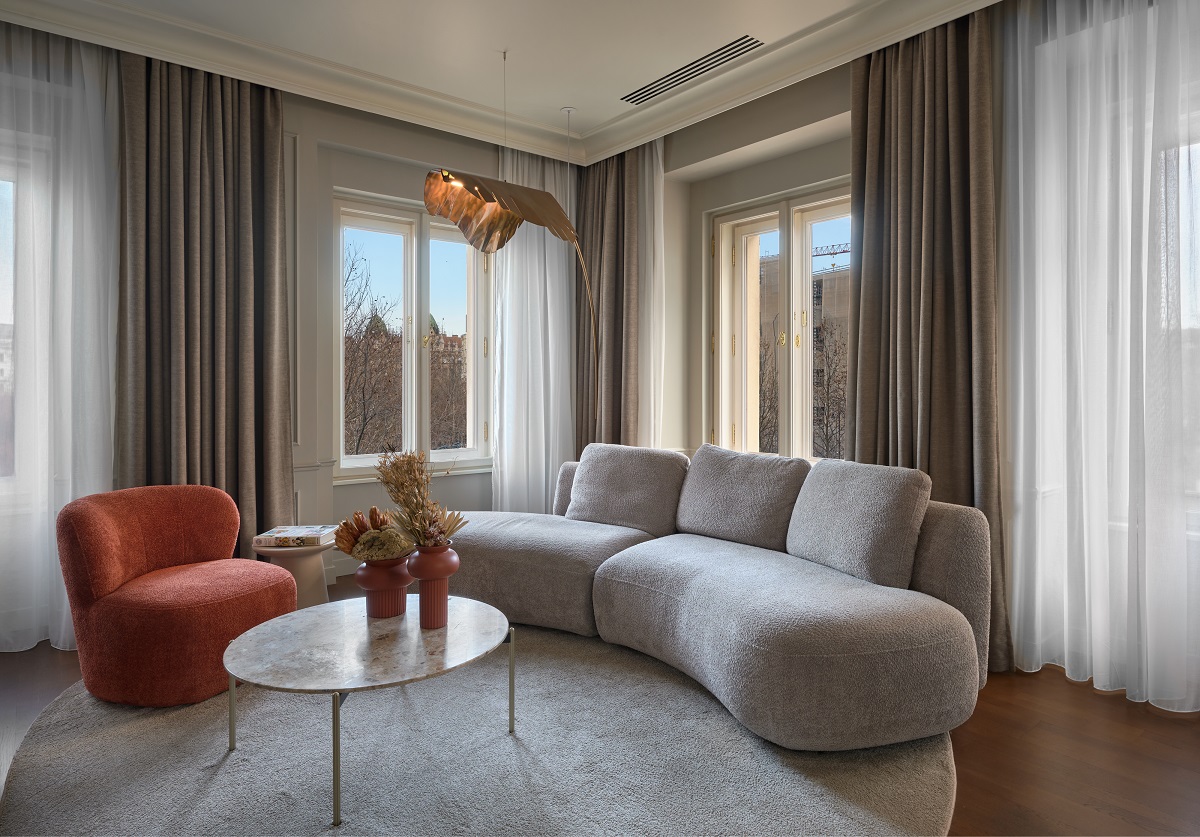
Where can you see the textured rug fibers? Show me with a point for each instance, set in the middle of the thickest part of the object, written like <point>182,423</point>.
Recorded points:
<point>608,741</point>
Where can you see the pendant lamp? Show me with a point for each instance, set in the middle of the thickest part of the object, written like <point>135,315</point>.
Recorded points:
<point>489,212</point>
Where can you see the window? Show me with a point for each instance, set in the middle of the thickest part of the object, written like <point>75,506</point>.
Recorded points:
<point>779,341</point>
<point>823,274</point>
<point>7,377</point>
<point>414,363</point>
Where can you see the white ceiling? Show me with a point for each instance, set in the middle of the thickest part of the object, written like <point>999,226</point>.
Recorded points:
<point>440,63</point>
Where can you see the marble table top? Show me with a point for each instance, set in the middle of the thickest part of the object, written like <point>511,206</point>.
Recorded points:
<point>334,647</point>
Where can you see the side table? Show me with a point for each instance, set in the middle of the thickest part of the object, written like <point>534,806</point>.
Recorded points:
<point>307,565</point>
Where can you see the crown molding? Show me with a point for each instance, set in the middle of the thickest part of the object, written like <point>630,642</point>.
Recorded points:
<point>862,28</point>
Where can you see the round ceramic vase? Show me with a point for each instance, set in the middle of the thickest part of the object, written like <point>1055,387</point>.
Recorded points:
<point>433,565</point>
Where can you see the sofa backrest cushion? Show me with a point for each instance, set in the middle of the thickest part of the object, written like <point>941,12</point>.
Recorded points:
<point>562,489</point>
<point>861,519</point>
<point>740,497</point>
<point>637,488</point>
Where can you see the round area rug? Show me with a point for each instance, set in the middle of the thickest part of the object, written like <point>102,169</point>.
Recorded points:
<point>608,741</point>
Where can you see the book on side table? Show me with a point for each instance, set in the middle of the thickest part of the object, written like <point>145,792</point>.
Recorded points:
<point>296,536</point>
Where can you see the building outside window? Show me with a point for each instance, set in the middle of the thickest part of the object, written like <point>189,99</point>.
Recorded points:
<point>779,341</point>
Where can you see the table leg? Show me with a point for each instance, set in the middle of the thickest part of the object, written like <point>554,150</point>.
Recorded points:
<point>512,679</point>
<point>232,713</point>
<point>337,759</point>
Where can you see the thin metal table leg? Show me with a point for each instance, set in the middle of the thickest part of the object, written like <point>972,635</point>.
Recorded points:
<point>232,713</point>
<point>512,679</point>
<point>337,759</point>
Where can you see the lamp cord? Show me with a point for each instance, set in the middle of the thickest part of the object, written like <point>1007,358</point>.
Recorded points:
<point>505,75</point>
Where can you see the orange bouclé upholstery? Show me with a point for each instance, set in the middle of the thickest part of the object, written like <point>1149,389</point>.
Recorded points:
<point>156,597</point>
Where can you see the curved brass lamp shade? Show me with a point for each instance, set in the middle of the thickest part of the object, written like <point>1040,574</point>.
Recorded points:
<point>490,211</point>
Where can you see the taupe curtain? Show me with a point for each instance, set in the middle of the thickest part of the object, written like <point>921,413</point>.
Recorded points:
<point>203,394</point>
<point>608,236</point>
<point>922,360</point>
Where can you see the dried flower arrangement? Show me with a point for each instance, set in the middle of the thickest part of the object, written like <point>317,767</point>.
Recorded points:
<point>405,475</point>
<point>372,538</point>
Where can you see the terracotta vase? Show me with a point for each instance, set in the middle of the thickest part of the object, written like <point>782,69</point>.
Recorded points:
<point>386,585</point>
<point>434,565</point>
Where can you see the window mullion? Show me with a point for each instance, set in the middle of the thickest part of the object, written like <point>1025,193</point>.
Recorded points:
<point>418,415</point>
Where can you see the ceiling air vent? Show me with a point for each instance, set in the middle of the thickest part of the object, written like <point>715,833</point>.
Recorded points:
<point>699,67</point>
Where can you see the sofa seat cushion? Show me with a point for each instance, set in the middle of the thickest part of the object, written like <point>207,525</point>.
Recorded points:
<point>742,497</point>
<point>637,488</point>
<point>861,519</point>
<point>536,568</point>
<point>164,633</point>
<point>804,655</point>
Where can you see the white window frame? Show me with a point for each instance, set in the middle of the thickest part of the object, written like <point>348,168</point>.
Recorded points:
<point>30,208</point>
<point>733,422</point>
<point>402,218</point>
<point>477,455</point>
<point>737,295</point>
<point>803,218</point>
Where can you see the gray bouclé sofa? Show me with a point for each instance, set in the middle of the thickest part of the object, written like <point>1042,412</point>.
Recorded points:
<point>828,607</point>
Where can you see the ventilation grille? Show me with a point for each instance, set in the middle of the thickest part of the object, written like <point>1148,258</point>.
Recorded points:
<point>699,67</point>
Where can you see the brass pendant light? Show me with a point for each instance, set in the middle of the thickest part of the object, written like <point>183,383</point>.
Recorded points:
<point>490,211</point>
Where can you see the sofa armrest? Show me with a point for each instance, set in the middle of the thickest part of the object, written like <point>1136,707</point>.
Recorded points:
<point>954,563</point>
<point>562,491</point>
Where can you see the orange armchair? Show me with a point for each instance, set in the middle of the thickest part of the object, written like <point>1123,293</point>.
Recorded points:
<point>156,597</point>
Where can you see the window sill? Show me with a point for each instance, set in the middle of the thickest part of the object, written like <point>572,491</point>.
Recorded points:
<point>439,471</point>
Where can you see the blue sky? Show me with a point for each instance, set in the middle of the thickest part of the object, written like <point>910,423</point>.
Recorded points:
<point>825,233</point>
<point>447,275</point>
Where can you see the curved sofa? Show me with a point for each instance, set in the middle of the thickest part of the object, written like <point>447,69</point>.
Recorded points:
<point>828,607</point>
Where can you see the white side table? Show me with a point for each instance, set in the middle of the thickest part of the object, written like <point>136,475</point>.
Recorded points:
<point>306,565</point>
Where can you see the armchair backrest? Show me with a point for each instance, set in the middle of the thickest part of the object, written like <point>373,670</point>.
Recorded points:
<point>105,540</point>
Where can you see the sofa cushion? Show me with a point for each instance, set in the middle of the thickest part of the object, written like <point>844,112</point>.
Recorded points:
<point>805,656</point>
<point>742,497</point>
<point>536,568</point>
<point>562,488</point>
<point>637,488</point>
<point>861,519</point>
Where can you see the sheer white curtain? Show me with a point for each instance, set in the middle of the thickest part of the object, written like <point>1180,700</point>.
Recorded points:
<point>652,300</point>
<point>534,337</point>
<point>1102,171</point>
<point>58,269</point>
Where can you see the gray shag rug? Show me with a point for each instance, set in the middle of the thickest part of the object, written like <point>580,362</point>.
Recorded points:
<point>608,741</point>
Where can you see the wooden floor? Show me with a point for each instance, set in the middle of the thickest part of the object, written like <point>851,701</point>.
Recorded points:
<point>1041,755</point>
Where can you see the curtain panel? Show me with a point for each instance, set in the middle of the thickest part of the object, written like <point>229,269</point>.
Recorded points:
<point>607,363</point>
<point>652,295</point>
<point>534,342</point>
<point>203,390</point>
<point>921,389</point>
<point>1102,198</point>
<point>59,157</point>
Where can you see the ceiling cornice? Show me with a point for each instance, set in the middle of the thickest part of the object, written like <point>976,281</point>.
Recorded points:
<point>861,29</point>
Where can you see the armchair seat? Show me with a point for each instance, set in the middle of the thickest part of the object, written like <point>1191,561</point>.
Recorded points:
<point>153,615</point>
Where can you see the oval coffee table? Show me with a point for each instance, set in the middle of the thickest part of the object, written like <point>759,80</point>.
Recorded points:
<point>335,649</point>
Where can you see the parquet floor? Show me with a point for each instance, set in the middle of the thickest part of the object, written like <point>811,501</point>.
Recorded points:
<point>1041,755</point>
